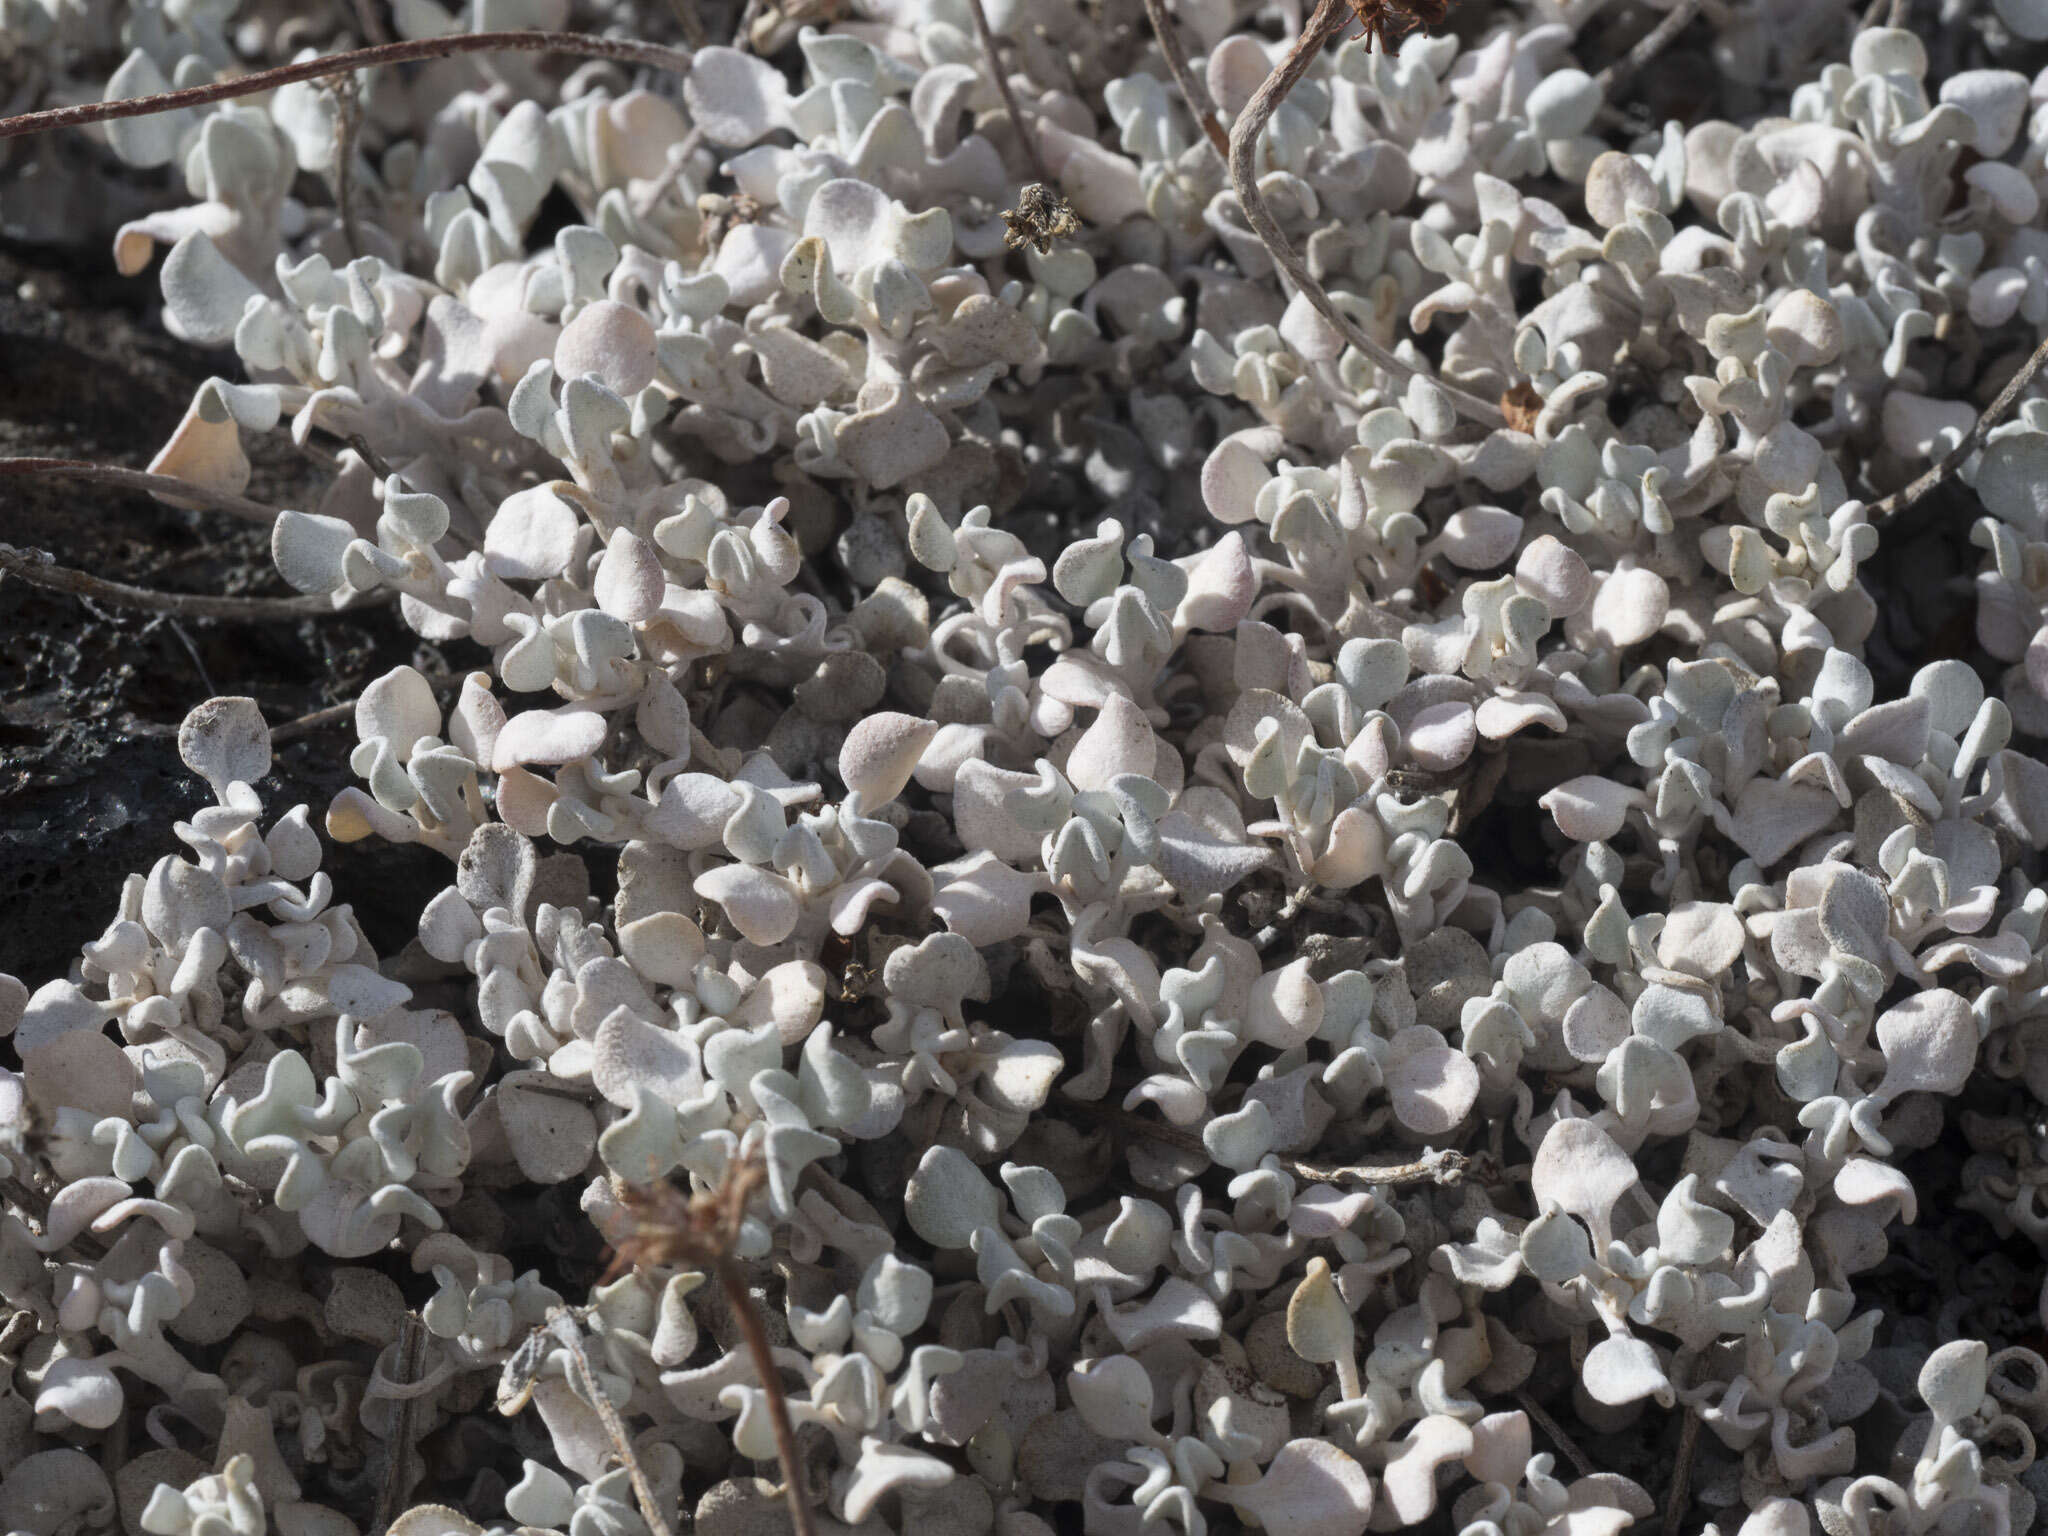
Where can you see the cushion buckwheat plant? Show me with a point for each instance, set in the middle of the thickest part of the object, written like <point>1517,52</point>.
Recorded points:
<point>1202,781</point>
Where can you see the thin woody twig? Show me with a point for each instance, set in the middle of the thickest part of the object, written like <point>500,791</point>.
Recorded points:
<point>306,724</point>
<point>670,1228</point>
<point>37,1205</point>
<point>412,1365</point>
<point>191,650</point>
<point>1902,499</point>
<point>1301,898</point>
<point>15,1333</point>
<point>39,568</point>
<point>755,1336</point>
<point>575,44</point>
<point>1652,43</point>
<point>1681,1475</point>
<point>348,118</point>
<point>369,456</point>
<point>1442,1167</point>
<point>335,714</point>
<point>1193,90</point>
<point>743,33</point>
<point>1445,1167</point>
<point>1688,1442</point>
<point>1564,1442</point>
<point>563,1326</point>
<point>685,12</point>
<point>371,23</point>
<point>995,65</point>
<point>1329,18</point>
<point>165,486</point>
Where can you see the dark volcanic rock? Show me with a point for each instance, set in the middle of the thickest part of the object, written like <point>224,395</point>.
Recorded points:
<point>91,697</point>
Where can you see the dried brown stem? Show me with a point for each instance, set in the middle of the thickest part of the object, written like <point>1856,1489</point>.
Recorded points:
<point>370,22</point>
<point>165,486</point>
<point>563,1325</point>
<point>575,44</point>
<point>411,1366</point>
<point>1903,498</point>
<point>1300,899</point>
<point>743,33</point>
<point>1556,1431</point>
<point>1329,18</point>
<point>37,1206</point>
<point>345,711</point>
<point>667,1228</point>
<point>678,162</point>
<point>1681,1474</point>
<point>335,714</point>
<point>348,118</point>
<point>685,12</point>
<point>755,1336</point>
<point>15,1333</point>
<point>1652,43</point>
<point>1193,90</point>
<point>39,568</point>
<point>995,65</point>
<point>1445,1167</point>
<point>369,456</point>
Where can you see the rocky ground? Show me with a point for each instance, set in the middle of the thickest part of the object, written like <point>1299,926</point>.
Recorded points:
<point>91,697</point>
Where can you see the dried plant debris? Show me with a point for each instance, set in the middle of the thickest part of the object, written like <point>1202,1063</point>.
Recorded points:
<point>1334,844</point>
<point>1041,219</point>
<point>1384,19</point>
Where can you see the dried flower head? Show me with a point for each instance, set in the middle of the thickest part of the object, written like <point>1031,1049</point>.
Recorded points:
<point>1041,217</point>
<point>722,213</point>
<point>1377,16</point>
<point>1521,405</point>
<point>672,1229</point>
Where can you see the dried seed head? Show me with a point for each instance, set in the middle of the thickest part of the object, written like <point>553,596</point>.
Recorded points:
<point>1376,16</point>
<point>1521,405</point>
<point>674,1230</point>
<point>1041,217</point>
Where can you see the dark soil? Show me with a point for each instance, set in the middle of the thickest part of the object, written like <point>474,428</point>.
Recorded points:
<point>91,697</point>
